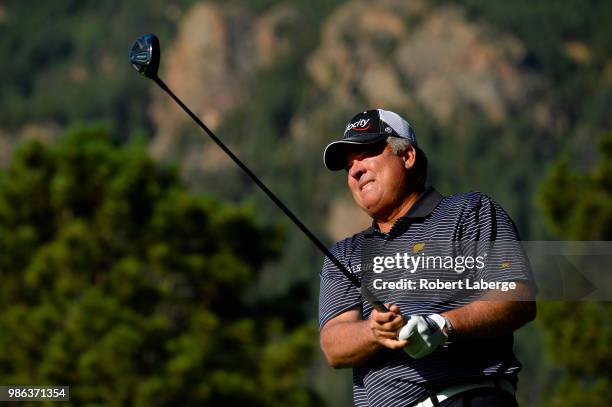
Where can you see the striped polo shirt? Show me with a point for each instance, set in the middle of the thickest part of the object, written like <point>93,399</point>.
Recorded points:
<point>391,377</point>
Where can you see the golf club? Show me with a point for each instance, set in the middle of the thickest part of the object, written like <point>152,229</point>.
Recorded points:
<point>145,57</point>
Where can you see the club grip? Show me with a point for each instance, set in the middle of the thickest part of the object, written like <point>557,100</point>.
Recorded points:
<point>375,302</point>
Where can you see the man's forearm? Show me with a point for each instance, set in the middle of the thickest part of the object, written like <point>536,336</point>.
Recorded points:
<point>493,316</point>
<point>348,343</point>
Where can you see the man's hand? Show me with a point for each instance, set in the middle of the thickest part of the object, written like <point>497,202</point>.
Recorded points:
<point>425,335</point>
<point>348,340</point>
<point>385,327</point>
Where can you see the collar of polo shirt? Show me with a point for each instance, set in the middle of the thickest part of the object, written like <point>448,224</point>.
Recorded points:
<point>424,205</point>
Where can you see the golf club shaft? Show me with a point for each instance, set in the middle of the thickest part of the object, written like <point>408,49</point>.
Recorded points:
<point>376,304</point>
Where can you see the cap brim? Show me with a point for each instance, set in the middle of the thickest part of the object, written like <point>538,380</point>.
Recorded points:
<point>334,156</point>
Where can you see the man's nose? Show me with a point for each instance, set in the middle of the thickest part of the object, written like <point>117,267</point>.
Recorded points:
<point>356,169</point>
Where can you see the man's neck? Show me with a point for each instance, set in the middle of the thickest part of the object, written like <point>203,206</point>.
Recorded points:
<point>385,224</point>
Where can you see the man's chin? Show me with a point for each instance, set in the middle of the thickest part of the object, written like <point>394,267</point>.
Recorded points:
<point>371,208</point>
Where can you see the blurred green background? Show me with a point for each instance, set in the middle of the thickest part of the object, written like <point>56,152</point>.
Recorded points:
<point>140,267</point>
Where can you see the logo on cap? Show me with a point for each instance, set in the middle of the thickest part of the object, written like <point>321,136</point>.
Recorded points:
<point>359,125</point>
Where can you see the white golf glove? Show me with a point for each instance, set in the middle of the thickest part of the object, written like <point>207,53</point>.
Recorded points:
<point>425,334</point>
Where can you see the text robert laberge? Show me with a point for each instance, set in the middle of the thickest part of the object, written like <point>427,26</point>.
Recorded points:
<point>437,284</point>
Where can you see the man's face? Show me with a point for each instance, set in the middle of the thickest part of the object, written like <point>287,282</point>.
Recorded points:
<point>377,178</point>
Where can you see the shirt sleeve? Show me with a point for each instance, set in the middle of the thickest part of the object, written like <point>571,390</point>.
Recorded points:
<point>337,294</point>
<point>497,242</point>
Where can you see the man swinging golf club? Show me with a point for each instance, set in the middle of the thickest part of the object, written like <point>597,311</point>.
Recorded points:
<point>456,346</point>
<point>387,174</point>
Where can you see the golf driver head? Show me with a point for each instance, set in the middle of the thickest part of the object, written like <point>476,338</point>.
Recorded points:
<point>144,55</point>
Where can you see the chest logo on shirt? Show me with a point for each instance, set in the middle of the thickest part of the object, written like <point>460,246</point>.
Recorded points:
<point>418,247</point>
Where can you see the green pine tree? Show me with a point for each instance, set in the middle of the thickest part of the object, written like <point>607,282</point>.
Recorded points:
<point>578,334</point>
<point>121,284</point>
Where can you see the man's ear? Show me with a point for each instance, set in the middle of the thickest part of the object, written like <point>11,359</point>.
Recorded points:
<point>409,157</point>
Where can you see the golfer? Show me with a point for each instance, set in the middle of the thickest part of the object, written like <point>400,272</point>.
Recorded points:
<point>433,347</point>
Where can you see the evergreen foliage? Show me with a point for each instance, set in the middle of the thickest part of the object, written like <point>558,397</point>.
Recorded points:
<point>123,285</point>
<point>577,336</point>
